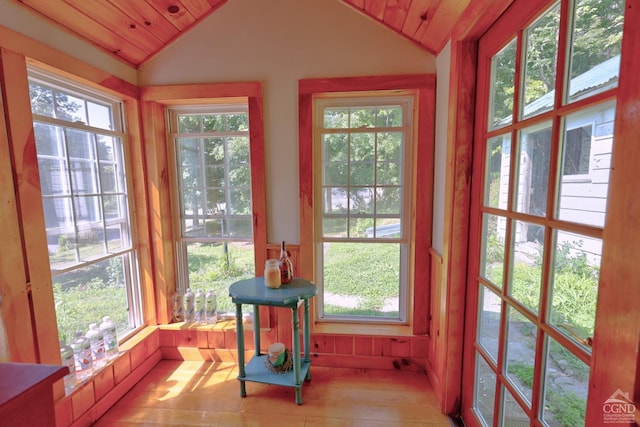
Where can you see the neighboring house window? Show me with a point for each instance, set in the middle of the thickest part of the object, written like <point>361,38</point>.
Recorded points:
<point>81,147</point>
<point>363,190</point>
<point>577,151</point>
<point>213,198</point>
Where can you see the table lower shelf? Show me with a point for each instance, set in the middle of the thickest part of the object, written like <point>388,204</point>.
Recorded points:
<point>257,371</point>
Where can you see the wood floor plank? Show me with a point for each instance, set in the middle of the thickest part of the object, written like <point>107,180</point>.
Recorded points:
<point>182,393</point>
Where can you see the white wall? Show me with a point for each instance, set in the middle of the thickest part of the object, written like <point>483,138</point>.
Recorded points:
<point>31,25</point>
<point>443,66</point>
<point>278,42</point>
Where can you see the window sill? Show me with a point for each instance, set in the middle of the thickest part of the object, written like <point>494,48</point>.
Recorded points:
<point>334,328</point>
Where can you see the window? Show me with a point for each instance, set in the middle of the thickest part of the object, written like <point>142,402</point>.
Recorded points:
<point>577,146</point>
<point>536,236</point>
<point>81,149</point>
<point>213,198</point>
<point>362,149</point>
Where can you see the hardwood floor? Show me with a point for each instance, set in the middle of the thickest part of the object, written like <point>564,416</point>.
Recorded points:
<point>188,393</point>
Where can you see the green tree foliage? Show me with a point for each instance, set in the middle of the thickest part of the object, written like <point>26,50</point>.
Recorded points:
<point>44,103</point>
<point>215,170</point>
<point>596,35</point>
<point>363,164</point>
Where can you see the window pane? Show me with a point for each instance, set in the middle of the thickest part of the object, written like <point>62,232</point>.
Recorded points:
<point>526,264</point>
<point>84,179</point>
<point>574,287</point>
<point>541,55</point>
<point>100,115</point>
<point>91,239</point>
<point>70,108</point>
<point>503,71</point>
<point>238,122</point>
<point>239,151</point>
<point>362,147</point>
<point>48,142</point>
<point>117,238</point>
<point>385,229</point>
<point>361,173</point>
<point>361,279</point>
<point>361,200</point>
<point>213,150</point>
<point>595,51</point>
<point>362,117</point>
<point>335,147</point>
<point>489,321</point>
<point>54,177</point>
<point>335,200</point>
<point>496,192</point>
<point>484,395</point>
<point>389,146</point>
<point>532,178</point>
<point>586,164</point>
<point>390,116</point>
<point>336,118</point>
<point>41,99</point>
<point>493,241</point>
<point>512,412</point>
<point>566,382</point>
<point>213,122</point>
<point>335,227</point>
<point>388,201</point>
<point>336,173</point>
<point>240,199</point>
<point>62,247</point>
<point>217,266</point>
<point>192,214</point>
<point>109,181</point>
<point>520,352</point>
<point>84,295</point>
<point>189,123</point>
<point>359,226</point>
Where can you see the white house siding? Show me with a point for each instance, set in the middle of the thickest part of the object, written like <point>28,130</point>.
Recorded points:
<point>582,198</point>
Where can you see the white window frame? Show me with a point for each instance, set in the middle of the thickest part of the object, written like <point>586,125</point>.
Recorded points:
<point>344,100</point>
<point>129,253</point>
<point>181,241</point>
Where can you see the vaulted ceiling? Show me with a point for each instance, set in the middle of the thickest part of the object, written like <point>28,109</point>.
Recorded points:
<point>135,30</point>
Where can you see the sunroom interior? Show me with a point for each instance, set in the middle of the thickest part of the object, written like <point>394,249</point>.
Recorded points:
<point>160,149</point>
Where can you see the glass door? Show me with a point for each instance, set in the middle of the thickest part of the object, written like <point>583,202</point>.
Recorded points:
<point>548,75</point>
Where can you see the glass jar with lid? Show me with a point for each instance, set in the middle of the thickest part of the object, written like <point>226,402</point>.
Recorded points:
<point>272,273</point>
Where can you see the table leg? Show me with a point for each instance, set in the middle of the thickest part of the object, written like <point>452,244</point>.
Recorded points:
<point>307,338</point>
<point>240,340</point>
<point>296,354</point>
<point>256,328</point>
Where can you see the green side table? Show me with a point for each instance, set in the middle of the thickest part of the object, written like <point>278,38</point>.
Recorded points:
<point>291,295</point>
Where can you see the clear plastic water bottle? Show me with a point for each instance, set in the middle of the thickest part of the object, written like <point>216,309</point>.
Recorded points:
<point>110,334</point>
<point>96,340</point>
<point>178,308</point>
<point>198,306</point>
<point>68,360</point>
<point>211,307</point>
<point>189,310</point>
<point>82,355</point>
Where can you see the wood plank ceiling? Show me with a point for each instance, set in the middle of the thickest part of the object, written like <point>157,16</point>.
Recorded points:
<point>135,30</point>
